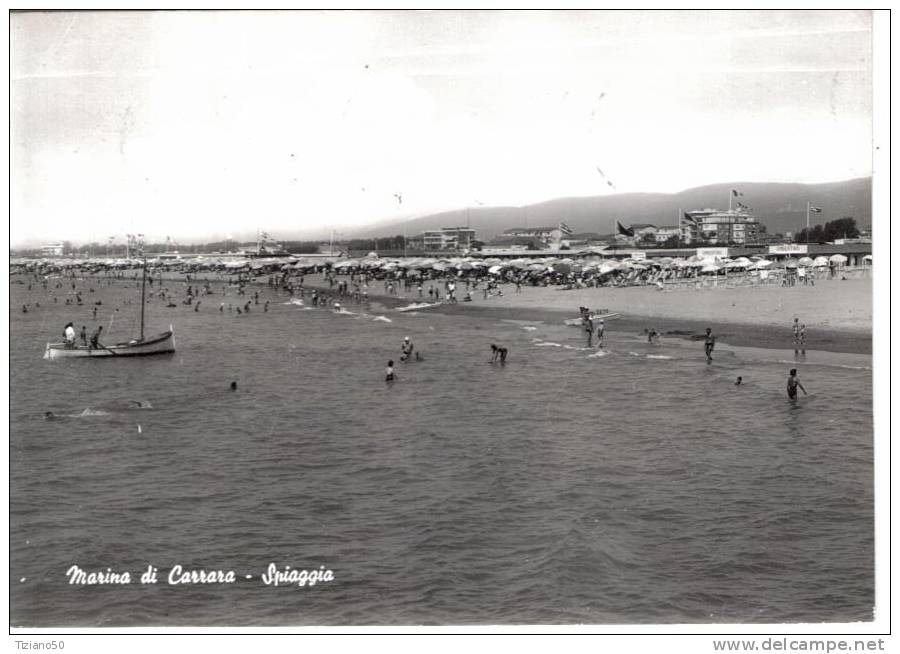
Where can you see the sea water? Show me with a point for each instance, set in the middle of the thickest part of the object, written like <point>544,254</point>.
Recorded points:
<point>632,484</point>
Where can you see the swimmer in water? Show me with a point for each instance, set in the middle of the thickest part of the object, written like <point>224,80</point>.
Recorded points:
<point>739,381</point>
<point>793,383</point>
<point>389,371</point>
<point>233,386</point>
<point>49,415</point>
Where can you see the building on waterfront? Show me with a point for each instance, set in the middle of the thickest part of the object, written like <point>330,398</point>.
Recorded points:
<point>448,238</point>
<point>556,236</point>
<point>663,234</point>
<point>52,250</point>
<point>717,226</point>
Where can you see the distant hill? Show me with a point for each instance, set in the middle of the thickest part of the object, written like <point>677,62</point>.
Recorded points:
<point>781,207</point>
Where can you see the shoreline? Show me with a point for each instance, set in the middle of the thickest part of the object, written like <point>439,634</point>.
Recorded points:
<point>645,308</point>
<point>740,334</point>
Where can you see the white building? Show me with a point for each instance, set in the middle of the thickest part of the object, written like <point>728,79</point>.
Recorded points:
<point>448,238</point>
<point>53,250</point>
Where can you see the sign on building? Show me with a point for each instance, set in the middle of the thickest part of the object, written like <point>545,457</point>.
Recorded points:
<point>712,253</point>
<point>638,255</point>
<point>790,248</point>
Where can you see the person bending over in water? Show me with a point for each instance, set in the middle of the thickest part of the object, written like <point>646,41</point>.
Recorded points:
<point>406,349</point>
<point>793,383</point>
<point>389,371</point>
<point>499,354</point>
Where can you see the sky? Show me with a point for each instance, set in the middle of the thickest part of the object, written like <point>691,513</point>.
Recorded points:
<point>207,125</point>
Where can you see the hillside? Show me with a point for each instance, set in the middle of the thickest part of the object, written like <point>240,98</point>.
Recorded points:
<point>781,207</point>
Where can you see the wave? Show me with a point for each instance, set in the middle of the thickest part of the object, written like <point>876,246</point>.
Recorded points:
<point>89,412</point>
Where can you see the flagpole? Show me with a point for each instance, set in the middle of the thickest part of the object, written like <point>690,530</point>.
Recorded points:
<point>730,195</point>
<point>807,222</point>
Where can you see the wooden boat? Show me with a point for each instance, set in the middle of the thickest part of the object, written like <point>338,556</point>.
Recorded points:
<point>577,322</point>
<point>159,344</point>
<point>162,343</point>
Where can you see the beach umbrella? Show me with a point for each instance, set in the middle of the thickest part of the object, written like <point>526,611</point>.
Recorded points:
<point>820,261</point>
<point>607,268</point>
<point>868,257</point>
<point>838,258</point>
<point>440,267</point>
<point>495,269</point>
<point>763,263</point>
<point>790,263</point>
<point>805,261</point>
<point>562,268</point>
<point>710,267</point>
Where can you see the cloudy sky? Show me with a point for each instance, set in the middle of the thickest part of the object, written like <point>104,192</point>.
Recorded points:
<point>207,124</point>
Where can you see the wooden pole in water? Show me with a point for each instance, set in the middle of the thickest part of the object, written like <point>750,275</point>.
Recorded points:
<point>143,286</point>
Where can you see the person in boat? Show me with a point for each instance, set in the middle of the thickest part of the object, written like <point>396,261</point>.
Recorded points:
<point>389,371</point>
<point>95,338</point>
<point>708,344</point>
<point>69,335</point>
<point>793,384</point>
<point>498,354</point>
<point>406,350</point>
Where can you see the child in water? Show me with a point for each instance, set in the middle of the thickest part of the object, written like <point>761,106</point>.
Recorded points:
<point>389,371</point>
<point>793,383</point>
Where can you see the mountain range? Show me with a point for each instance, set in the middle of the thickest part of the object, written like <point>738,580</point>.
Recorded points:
<point>779,206</point>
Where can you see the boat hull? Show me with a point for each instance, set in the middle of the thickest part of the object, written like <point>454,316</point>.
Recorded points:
<point>159,344</point>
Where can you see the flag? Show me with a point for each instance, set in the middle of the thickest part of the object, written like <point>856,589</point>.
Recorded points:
<point>736,193</point>
<point>624,231</point>
<point>815,210</point>
<point>565,229</point>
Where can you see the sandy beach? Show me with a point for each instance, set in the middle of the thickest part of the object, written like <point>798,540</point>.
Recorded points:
<point>837,313</point>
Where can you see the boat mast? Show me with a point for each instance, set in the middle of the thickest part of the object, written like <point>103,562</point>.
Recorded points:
<point>143,301</point>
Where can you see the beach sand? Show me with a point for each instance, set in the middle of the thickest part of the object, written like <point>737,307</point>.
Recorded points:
<point>837,314</point>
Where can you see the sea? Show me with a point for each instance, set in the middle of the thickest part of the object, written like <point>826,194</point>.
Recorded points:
<point>635,484</point>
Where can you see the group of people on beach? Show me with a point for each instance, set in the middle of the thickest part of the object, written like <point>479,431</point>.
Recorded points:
<point>593,325</point>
